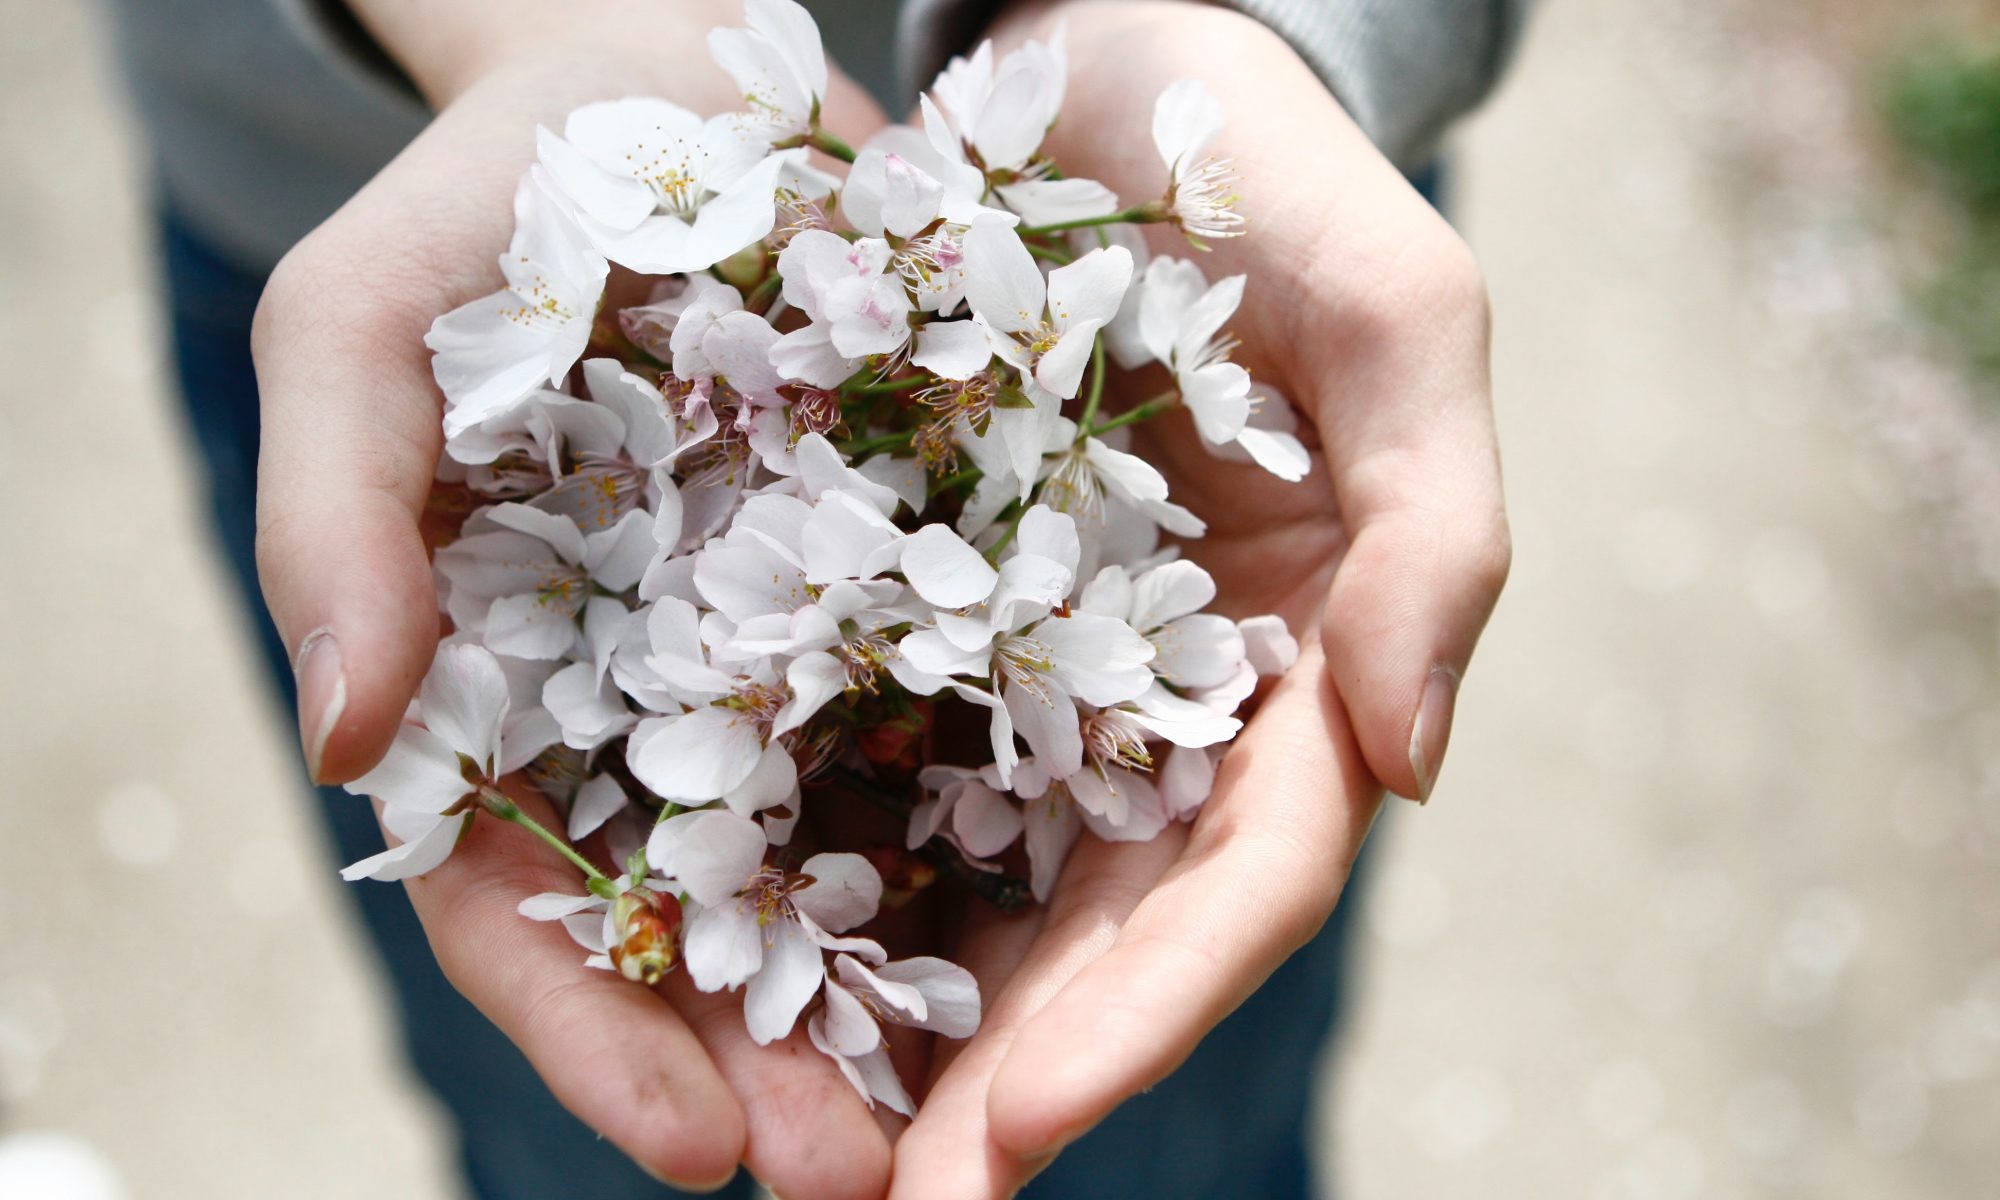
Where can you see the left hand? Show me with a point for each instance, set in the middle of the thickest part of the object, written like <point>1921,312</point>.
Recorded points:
<point>1369,313</point>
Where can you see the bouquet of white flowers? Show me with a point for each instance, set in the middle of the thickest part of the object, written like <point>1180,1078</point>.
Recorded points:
<point>756,522</point>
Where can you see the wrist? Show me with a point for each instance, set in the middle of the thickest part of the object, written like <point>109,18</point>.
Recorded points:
<point>446,46</point>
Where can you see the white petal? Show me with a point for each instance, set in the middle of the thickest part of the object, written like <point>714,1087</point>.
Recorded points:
<point>1279,453</point>
<point>1198,651</point>
<point>724,945</point>
<point>1049,725</point>
<point>411,858</point>
<point>952,349</point>
<point>792,971</point>
<point>1185,120</point>
<point>1100,659</point>
<point>599,799</point>
<point>774,781</point>
<point>712,854</point>
<point>1060,369</point>
<point>814,678</point>
<point>419,773</point>
<point>944,569</point>
<point>1089,290</point>
<point>951,994</point>
<point>554,906</point>
<point>1268,644</point>
<point>985,821</point>
<point>1052,826</point>
<point>1186,780</point>
<point>1169,591</point>
<point>699,756</point>
<point>464,700</point>
<point>849,1029</point>
<point>1002,283</point>
<point>846,891</point>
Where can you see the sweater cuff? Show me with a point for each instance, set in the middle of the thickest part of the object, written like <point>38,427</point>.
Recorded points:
<point>1403,69</point>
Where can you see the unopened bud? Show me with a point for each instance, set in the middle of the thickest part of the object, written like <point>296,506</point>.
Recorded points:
<point>649,925</point>
<point>904,873</point>
<point>746,267</point>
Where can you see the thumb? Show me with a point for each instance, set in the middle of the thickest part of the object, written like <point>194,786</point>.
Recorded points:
<point>343,471</point>
<point>1408,427</point>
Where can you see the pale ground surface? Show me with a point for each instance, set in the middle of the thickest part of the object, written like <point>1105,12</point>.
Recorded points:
<point>1706,905</point>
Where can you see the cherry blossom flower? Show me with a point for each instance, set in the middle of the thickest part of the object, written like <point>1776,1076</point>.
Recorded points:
<point>432,767</point>
<point>780,65</point>
<point>634,930</point>
<point>1201,192</point>
<point>490,354</point>
<point>999,114</point>
<point>761,925</point>
<point>1043,327</point>
<point>658,189</point>
<point>521,577</point>
<point>921,993</point>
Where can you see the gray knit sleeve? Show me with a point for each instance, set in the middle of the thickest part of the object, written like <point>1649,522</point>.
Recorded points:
<point>1405,69</point>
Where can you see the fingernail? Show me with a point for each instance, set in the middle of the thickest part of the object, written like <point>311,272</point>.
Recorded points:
<point>682,1185</point>
<point>1432,729</point>
<point>322,694</point>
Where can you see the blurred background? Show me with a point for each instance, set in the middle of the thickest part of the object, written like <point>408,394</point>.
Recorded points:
<point>1707,903</point>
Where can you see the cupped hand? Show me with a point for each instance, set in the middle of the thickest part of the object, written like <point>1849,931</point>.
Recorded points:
<point>350,440</point>
<point>1367,311</point>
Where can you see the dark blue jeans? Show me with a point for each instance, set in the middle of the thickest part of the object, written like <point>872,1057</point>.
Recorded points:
<point>1232,1122</point>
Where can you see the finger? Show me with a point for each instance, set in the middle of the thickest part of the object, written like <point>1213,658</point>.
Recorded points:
<point>614,1053</point>
<point>350,424</point>
<point>1263,866</point>
<point>809,1132</point>
<point>1405,415</point>
<point>949,1153</point>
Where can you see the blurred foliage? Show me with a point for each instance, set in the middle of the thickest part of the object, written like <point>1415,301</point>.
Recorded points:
<point>1941,105</point>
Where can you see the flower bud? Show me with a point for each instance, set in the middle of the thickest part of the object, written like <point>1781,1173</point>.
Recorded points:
<point>648,925</point>
<point>904,873</point>
<point>746,267</point>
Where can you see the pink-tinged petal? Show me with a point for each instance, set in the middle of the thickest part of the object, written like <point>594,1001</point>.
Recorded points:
<point>1002,283</point>
<point>420,773</point>
<point>952,349</point>
<point>951,994</point>
<point>700,756</point>
<point>808,356</point>
<point>925,820</point>
<point>846,891</point>
<point>600,798</point>
<point>1051,830</point>
<point>911,199</point>
<point>850,1031</point>
<point>1185,120</point>
<point>944,569</point>
<point>774,781</point>
<point>791,973</point>
<point>1268,644</point>
<point>464,700</point>
<point>1100,798</point>
<point>413,857</point>
<point>724,946</point>
<point>712,854</point>
<point>1186,780</point>
<point>1089,290</point>
<point>985,821</point>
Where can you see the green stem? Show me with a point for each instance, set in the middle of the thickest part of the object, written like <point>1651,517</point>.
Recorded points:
<point>956,479</point>
<point>828,144</point>
<point>495,802</point>
<point>1007,538</point>
<point>881,441</point>
<point>760,298</point>
<point>1060,257</point>
<point>886,387</point>
<point>1165,402</point>
<point>1096,396</point>
<point>1144,214</point>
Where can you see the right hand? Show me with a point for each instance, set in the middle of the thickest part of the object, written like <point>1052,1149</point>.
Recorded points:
<point>350,441</point>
